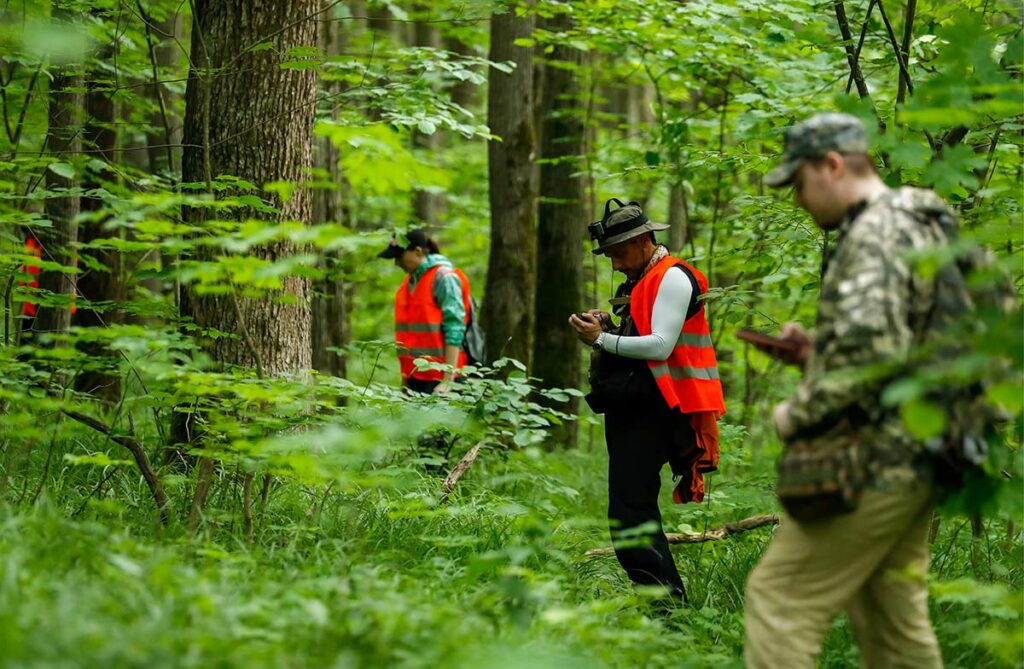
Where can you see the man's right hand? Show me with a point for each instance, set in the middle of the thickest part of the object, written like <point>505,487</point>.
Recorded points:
<point>795,333</point>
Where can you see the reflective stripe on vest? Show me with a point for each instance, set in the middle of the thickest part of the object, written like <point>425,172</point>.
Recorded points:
<point>688,379</point>
<point>685,372</point>
<point>418,325</point>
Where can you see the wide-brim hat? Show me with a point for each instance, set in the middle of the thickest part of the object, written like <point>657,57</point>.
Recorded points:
<point>621,225</point>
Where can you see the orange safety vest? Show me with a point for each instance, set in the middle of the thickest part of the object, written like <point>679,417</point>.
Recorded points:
<point>418,321</point>
<point>688,379</point>
<point>32,248</point>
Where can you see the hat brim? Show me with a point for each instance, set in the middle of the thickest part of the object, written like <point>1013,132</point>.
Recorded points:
<point>391,252</point>
<point>784,174</point>
<point>626,236</point>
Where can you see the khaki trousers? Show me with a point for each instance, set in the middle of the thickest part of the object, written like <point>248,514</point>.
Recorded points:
<point>871,562</point>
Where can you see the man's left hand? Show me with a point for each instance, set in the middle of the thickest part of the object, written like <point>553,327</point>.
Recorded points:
<point>586,329</point>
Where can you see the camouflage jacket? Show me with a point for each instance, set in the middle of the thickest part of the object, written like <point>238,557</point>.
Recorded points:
<point>872,310</point>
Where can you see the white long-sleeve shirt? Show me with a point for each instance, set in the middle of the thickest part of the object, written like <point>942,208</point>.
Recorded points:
<point>670,307</point>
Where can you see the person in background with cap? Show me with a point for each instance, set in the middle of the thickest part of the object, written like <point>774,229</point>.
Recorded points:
<point>873,307</point>
<point>432,308</point>
<point>655,377</point>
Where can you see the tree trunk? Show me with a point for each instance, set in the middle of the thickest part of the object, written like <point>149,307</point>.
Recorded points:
<point>163,137</point>
<point>429,208</point>
<point>508,310</point>
<point>331,321</point>
<point>678,216</point>
<point>94,285</point>
<point>560,231</point>
<point>464,93</point>
<point>248,117</point>
<point>64,144</point>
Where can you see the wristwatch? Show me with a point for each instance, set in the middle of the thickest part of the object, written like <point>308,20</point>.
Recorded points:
<point>597,342</point>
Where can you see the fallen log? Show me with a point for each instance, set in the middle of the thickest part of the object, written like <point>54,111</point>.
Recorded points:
<point>708,535</point>
<point>455,474</point>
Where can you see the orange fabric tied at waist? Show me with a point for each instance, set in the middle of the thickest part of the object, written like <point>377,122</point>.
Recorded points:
<point>701,458</point>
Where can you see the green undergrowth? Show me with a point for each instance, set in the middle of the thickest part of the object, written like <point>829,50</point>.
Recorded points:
<point>360,575</point>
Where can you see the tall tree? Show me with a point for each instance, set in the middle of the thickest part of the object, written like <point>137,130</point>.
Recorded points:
<point>508,310</point>
<point>562,216</point>
<point>331,293</point>
<point>63,142</point>
<point>95,285</point>
<point>428,207</point>
<point>248,116</point>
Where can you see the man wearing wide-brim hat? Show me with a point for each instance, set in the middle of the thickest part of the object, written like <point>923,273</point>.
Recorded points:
<point>655,377</point>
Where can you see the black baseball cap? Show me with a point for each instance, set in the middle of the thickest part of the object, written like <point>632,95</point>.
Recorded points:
<point>416,238</point>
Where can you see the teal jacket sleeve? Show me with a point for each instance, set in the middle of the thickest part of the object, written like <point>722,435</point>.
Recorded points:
<point>448,296</point>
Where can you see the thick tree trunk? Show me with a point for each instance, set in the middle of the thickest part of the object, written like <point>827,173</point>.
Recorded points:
<point>560,233</point>
<point>64,144</point>
<point>246,116</point>
<point>508,309</point>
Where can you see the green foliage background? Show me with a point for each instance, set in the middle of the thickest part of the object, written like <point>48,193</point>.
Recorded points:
<point>355,558</point>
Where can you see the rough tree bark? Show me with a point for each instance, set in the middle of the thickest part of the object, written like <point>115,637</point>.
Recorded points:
<point>507,314</point>
<point>561,218</point>
<point>248,117</point>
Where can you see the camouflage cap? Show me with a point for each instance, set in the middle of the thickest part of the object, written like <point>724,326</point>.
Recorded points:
<point>814,138</point>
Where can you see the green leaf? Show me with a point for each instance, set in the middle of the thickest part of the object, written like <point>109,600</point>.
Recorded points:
<point>910,155</point>
<point>94,459</point>
<point>923,419</point>
<point>62,170</point>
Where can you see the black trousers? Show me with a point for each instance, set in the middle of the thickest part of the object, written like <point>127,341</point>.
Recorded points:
<point>421,385</point>
<point>640,442</point>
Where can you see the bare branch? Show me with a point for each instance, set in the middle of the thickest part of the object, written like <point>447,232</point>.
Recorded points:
<point>851,54</point>
<point>860,43</point>
<point>908,35</point>
<point>905,76</point>
<point>707,535</point>
<point>138,453</point>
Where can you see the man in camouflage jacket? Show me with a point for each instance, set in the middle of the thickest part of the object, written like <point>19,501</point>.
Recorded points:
<point>872,311</point>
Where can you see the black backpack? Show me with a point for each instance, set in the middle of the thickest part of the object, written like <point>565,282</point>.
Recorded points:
<point>474,343</point>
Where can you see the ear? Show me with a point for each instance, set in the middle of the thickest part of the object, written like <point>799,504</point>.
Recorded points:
<point>836,164</point>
